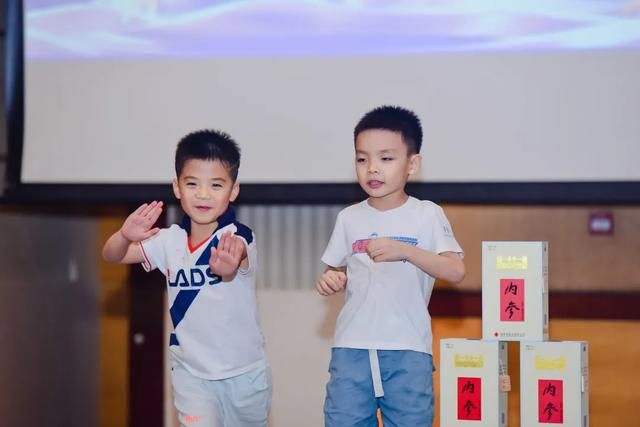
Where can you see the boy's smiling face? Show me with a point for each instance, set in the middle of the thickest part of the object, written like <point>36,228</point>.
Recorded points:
<point>383,166</point>
<point>205,190</point>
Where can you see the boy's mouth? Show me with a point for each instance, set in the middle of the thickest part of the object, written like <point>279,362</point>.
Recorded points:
<point>203,208</point>
<point>374,183</point>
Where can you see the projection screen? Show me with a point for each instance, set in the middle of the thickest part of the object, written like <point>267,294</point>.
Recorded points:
<point>529,94</point>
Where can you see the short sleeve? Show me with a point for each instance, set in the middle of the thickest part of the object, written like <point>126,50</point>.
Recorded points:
<point>153,250</point>
<point>443,237</point>
<point>335,255</point>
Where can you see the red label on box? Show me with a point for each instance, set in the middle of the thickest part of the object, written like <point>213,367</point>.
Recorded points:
<point>550,401</point>
<point>512,300</point>
<point>469,399</point>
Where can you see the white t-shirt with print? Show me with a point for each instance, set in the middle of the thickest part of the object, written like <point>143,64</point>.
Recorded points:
<point>216,330</point>
<point>385,304</point>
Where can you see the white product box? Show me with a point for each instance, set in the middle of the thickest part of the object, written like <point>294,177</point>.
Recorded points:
<point>515,297</point>
<point>471,374</point>
<point>554,384</point>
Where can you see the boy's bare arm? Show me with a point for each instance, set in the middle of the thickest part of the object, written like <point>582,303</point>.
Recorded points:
<point>447,265</point>
<point>121,247</point>
<point>332,281</point>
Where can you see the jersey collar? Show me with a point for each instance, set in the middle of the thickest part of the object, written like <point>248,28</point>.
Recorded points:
<point>228,217</point>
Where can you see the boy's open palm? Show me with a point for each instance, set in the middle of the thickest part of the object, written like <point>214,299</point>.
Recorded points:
<point>331,282</point>
<point>225,259</point>
<point>139,225</point>
<point>383,249</point>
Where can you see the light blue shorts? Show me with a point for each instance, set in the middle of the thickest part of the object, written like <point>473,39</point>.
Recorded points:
<point>407,383</point>
<point>241,401</point>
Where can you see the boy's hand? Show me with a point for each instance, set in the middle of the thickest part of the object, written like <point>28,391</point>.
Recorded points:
<point>331,282</point>
<point>138,226</point>
<point>225,259</point>
<point>383,249</point>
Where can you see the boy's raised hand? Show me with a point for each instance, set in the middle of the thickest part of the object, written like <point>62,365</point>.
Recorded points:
<point>383,249</point>
<point>331,282</point>
<point>139,225</point>
<point>225,259</point>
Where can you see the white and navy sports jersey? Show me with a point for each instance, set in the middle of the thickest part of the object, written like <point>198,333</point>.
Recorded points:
<point>385,305</point>
<point>216,333</point>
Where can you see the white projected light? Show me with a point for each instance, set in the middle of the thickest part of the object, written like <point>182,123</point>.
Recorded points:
<point>527,91</point>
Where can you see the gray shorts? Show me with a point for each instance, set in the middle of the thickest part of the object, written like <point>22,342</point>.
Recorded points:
<point>241,401</point>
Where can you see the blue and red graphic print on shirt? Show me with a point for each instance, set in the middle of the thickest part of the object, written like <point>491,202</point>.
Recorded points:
<point>360,246</point>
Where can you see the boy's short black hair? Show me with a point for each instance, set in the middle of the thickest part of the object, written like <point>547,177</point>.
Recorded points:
<point>209,144</point>
<point>396,119</point>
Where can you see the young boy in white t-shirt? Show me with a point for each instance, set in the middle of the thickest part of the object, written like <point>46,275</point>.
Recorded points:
<point>219,370</point>
<point>386,253</point>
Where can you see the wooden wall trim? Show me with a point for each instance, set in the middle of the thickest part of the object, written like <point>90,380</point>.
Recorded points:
<point>562,304</point>
<point>478,193</point>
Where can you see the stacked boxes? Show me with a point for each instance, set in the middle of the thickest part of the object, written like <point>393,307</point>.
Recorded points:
<point>554,375</point>
<point>554,382</point>
<point>471,392</point>
<point>515,302</point>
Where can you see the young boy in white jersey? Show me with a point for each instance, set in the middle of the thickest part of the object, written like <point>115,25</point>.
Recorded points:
<point>219,370</point>
<point>386,253</point>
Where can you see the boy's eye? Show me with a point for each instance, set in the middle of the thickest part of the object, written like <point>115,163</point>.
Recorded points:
<point>387,159</point>
<point>191,184</point>
<point>360,160</point>
<point>216,185</point>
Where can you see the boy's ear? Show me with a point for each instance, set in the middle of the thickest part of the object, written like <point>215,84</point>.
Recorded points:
<point>176,188</point>
<point>235,190</point>
<point>415,161</point>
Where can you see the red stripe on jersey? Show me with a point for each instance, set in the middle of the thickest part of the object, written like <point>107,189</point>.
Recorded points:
<point>144,254</point>
<point>192,249</point>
